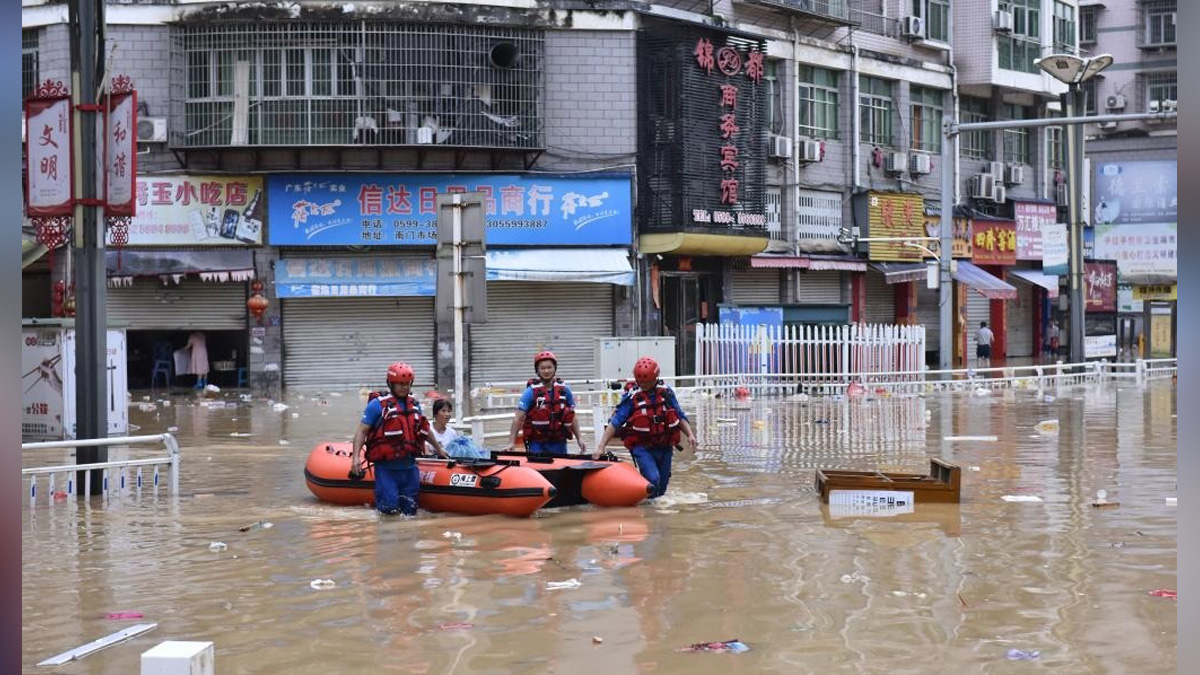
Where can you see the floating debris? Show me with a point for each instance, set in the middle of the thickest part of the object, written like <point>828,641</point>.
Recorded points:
<point>1021,498</point>
<point>319,584</point>
<point>563,585</point>
<point>218,546</point>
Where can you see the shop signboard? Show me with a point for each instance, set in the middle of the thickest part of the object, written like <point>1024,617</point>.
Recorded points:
<point>400,209</point>
<point>1100,286</point>
<point>993,242</point>
<point>1136,192</point>
<point>1142,251</point>
<point>354,277</point>
<point>896,215</point>
<point>1166,292</point>
<point>198,211</point>
<point>1055,249</point>
<point>1032,218</point>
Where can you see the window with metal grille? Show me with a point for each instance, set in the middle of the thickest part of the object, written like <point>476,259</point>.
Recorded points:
<point>927,118</point>
<point>1016,141</point>
<point>818,215</point>
<point>1089,87</point>
<point>1054,147</point>
<point>975,144</point>
<point>1158,23</point>
<point>818,102</point>
<point>1020,48</point>
<point>341,83</point>
<point>875,110</point>
<point>1064,28</point>
<point>29,62</point>
<point>1160,87</point>
<point>936,14</point>
<point>1087,24</point>
<point>774,211</point>
<point>772,81</point>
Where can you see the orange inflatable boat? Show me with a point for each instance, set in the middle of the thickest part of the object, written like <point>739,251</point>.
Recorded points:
<point>469,487</point>
<point>580,479</point>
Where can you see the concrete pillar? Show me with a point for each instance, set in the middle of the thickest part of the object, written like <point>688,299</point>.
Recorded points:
<point>175,657</point>
<point>264,363</point>
<point>858,297</point>
<point>998,319</point>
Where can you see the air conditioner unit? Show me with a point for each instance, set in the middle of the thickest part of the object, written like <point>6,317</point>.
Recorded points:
<point>152,130</point>
<point>1062,195</point>
<point>1153,107</point>
<point>810,151</point>
<point>997,170</point>
<point>895,162</point>
<point>913,27</point>
<point>1169,105</point>
<point>1000,194</point>
<point>920,163</point>
<point>1115,102</point>
<point>1014,174</point>
<point>981,186</point>
<point>1002,21</point>
<point>780,147</point>
<point>1109,125</point>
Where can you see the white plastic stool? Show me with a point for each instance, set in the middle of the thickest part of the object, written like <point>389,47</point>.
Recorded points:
<point>175,657</point>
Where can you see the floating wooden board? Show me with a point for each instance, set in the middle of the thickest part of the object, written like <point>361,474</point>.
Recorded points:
<point>97,645</point>
<point>943,484</point>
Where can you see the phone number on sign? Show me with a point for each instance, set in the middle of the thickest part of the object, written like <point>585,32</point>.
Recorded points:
<point>530,224</point>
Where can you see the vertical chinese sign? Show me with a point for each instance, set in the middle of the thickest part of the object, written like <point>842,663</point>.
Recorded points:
<point>48,167</point>
<point>120,150</point>
<point>895,215</point>
<point>993,242</point>
<point>1100,287</point>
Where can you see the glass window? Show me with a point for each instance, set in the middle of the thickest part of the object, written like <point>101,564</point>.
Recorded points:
<point>1019,49</point>
<point>975,144</point>
<point>1161,87</point>
<point>1087,24</point>
<point>936,14</point>
<point>1160,22</point>
<point>818,102</point>
<point>875,110</point>
<point>1064,28</point>
<point>1054,147</point>
<point>1089,96</point>
<point>774,97</point>
<point>927,105</point>
<point>1016,141</point>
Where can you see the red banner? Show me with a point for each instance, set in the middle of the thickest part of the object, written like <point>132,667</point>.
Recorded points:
<point>993,242</point>
<point>1100,286</point>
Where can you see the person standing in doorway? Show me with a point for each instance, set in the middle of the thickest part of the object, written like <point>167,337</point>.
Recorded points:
<point>1052,337</point>
<point>395,433</point>
<point>546,411</point>
<point>197,348</point>
<point>983,345</point>
<point>652,422</point>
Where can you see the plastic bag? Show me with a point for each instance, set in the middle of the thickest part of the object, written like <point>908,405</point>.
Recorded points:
<point>462,447</point>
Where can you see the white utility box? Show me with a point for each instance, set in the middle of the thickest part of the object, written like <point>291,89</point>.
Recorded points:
<point>48,381</point>
<point>178,657</point>
<point>615,356</point>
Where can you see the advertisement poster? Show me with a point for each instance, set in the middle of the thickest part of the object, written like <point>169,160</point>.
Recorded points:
<point>1099,346</point>
<point>1145,253</point>
<point>961,242</point>
<point>1055,249</point>
<point>198,211</point>
<point>1032,219</point>
<point>1100,287</point>
<point>354,277</point>
<point>48,383</point>
<point>400,210</point>
<point>1135,192</point>
<point>993,242</point>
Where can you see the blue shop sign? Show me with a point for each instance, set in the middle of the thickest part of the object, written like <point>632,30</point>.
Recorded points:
<point>399,209</point>
<point>350,277</point>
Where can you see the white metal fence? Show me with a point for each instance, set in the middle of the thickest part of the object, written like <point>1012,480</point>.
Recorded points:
<point>116,475</point>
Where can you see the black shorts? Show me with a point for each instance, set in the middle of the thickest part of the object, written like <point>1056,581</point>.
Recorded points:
<point>983,351</point>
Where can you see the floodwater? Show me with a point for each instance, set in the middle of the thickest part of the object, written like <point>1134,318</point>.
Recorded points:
<point>740,548</point>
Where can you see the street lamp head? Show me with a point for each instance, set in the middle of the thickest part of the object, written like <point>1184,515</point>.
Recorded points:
<point>1070,69</point>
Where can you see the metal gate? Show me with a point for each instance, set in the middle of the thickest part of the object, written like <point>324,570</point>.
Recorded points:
<point>1019,321</point>
<point>881,300</point>
<point>149,305</point>
<point>978,309</point>
<point>929,315</point>
<point>754,287</point>
<point>819,287</point>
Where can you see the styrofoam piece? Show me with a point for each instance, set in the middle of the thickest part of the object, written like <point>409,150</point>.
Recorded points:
<point>97,645</point>
<point>180,657</point>
<point>981,439</point>
<point>1021,498</point>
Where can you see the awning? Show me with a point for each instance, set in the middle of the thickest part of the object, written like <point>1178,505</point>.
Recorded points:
<point>988,285</point>
<point>808,263</point>
<point>31,250</point>
<point>1038,278</point>
<point>137,263</point>
<point>595,265</point>
<point>692,243</point>
<point>899,273</point>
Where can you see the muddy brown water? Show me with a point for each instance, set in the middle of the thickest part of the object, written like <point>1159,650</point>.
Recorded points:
<point>740,548</point>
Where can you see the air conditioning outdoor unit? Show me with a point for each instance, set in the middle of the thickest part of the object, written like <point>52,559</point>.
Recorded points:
<point>1062,195</point>
<point>981,186</point>
<point>810,151</point>
<point>895,162</point>
<point>1109,125</point>
<point>1014,174</point>
<point>997,170</point>
<point>1002,21</point>
<point>1115,102</point>
<point>780,147</point>
<point>152,130</point>
<point>1000,194</point>
<point>913,27</point>
<point>1153,107</point>
<point>920,163</point>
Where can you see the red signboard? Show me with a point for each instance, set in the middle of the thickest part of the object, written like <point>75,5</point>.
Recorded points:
<point>1100,286</point>
<point>48,167</point>
<point>993,242</point>
<point>120,152</point>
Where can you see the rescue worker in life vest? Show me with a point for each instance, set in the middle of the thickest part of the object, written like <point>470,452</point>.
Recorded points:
<point>395,433</point>
<point>546,411</point>
<point>651,421</point>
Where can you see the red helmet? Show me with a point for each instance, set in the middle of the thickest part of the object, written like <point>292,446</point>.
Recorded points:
<point>542,356</point>
<point>400,373</point>
<point>645,368</point>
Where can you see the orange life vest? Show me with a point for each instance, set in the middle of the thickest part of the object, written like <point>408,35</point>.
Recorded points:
<point>400,433</point>
<point>653,421</point>
<point>550,418</point>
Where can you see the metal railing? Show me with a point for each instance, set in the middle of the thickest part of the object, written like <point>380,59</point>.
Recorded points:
<point>122,479</point>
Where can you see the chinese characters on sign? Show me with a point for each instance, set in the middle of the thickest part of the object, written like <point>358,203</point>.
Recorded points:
<point>729,62</point>
<point>1032,219</point>
<point>351,277</point>
<point>48,157</point>
<point>993,242</point>
<point>895,214</point>
<point>120,155</point>
<point>1141,251</point>
<point>1100,287</point>
<point>1156,292</point>
<point>197,211</point>
<point>1136,192</point>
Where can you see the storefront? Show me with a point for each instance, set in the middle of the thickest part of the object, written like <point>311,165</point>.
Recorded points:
<point>1040,241</point>
<point>893,216</point>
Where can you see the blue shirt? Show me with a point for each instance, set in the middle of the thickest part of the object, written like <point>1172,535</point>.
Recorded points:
<point>526,402</point>
<point>625,408</point>
<point>374,411</point>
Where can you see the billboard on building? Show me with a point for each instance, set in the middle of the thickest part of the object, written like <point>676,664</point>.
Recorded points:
<point>895,215</point>
<point>198,211</point>
<point>1100,286</point>
<point>993,242</point>
<point>1135,192</point>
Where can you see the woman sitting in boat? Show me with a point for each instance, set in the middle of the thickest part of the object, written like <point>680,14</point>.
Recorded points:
<point>651,421</point>
<point>546,411</point>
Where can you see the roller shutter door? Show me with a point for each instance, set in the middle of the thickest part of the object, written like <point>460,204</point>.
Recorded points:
<point>149,305</point>
<point>819,287</point>
<point>1019,320</point>
<point>350,341</point>
<point>929,315</point>
<point>881,300</point>
<point>527,316</point>
<point>754,287</point>
<point>978,309</point>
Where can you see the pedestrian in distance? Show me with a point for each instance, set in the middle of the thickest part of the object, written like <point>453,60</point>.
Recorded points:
<point>1053,335</point>
<point>546,412</point>
<point>983,345</point>
<point>395,433</point>
<point>651,422</point>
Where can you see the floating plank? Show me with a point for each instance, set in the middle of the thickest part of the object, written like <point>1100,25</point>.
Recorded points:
<point>980,439</point>
<point>97,645</point>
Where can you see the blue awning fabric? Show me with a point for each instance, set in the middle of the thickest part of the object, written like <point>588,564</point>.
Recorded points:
<point>988,285</point>
<point>594,265</point>
<point>1039,279</point>
<point>898,273</point>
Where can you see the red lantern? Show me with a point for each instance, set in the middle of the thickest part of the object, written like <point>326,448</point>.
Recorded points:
<point>257,305</point>
<point>256,287</point>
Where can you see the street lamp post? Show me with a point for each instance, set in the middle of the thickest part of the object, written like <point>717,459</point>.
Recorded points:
<point>1074,71</point>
